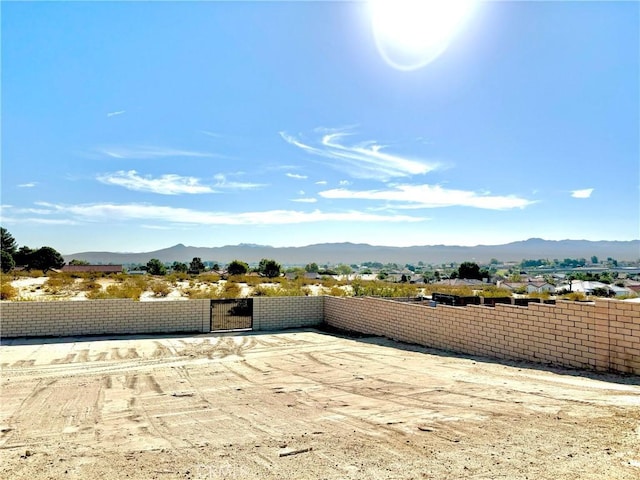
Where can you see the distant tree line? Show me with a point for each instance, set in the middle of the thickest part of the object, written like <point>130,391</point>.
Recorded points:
<point>43,258</point>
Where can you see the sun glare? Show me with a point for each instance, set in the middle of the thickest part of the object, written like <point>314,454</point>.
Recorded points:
<point>410,34</point>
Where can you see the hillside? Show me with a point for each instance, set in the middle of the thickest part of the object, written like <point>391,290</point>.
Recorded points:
<point>333,253</point>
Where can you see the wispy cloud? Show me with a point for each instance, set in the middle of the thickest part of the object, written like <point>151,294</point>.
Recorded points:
<point>113,212</point>
<point>171,184</point>
<point>431,196</point>
<point>584,193</point>
<point>145,152</point>
<point>304,200</point>
<point>297,176</point>
<point>321,182</point>
<point>361,159</point>
<point>27,185</point>
<point>210,134</point>
<point>113,114</point>
<point>223,184</point>
<point>168,184</point>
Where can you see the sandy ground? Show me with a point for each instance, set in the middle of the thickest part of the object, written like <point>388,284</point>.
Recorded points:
<point>303,405</point>
<point>34,289</point>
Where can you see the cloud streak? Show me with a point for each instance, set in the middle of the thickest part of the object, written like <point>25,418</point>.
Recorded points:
<point>168,184</point>
<point>431,196</point>
<point>147,152</point>
<point>584,193</point>
<point>113,212</point>
<point>361,160</point>
<point>171,184</point>
<point>296,176</point>
<point>27,185</point>
<point>114,114</point>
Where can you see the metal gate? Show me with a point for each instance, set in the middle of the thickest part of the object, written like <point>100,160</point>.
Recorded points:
<point>232,314</point>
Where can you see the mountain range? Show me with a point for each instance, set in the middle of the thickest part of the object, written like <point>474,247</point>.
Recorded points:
<point>352,253</point>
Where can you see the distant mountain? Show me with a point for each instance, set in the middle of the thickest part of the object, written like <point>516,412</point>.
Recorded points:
<point>350,253</point>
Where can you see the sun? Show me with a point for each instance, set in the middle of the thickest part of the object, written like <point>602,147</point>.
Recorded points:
<point>410,34</point>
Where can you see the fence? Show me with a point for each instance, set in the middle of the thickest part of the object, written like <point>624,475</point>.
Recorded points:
<point>604,335</point>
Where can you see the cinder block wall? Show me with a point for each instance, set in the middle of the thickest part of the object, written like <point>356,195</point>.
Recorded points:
<point>600,336</point>
<point>121,316</point>
<point>279,313</point>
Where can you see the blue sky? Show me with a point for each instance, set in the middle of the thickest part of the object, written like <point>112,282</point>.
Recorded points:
<point>133,126</point>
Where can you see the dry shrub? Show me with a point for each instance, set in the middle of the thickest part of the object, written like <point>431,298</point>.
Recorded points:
<point>208,277</point>
<point>7,291</point>
<point>491,291</point>
<point>59,283</point>
<point>338,292</point>
<point>230,290</point>
<point>376,288</point>
<point>199,293</point>
<point>542,295</point>
<point>124,290</point>
<point>160,288</point>
<point>575,296</point>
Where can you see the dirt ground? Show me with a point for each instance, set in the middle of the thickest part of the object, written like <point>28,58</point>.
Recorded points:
<point>303,405</point>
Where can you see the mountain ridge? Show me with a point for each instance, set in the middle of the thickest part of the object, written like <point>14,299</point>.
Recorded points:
<point>350,253</point>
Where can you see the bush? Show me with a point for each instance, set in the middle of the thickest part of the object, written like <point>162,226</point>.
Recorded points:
<point>575,296</point>
<point>160,288</point>
<point>60,283</point>
<point>230,290</point>
<point>491,291</point>
<point>337,292</point>
<point>124,290</point>
<point>7,291</point>
<point>541,295</point>
<point>379,288</point>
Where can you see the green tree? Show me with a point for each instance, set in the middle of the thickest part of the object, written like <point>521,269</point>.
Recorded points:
<point>23,256</point>
<point>179,267</point>
<point>7,262</point>
<point>45,259</point>
<point>594,259</point>
<point>78,262</point>
<point>7,242</point>
<point>343,269</point>
<point>237,267</point>
<point>196,266</point>
<point>312,268</point>
<point>269,268</point>
<point>156,267</point>
<point>469,270</point>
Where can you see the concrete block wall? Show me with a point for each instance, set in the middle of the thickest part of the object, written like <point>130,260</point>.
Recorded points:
<point>604,335</point>
<point>118,316</point>
<point>280,313</point>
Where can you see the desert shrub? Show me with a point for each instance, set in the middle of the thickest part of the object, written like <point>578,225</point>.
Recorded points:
<point>338,292</point>
<point>89,284</point>
<point>208,277</point>
<point>58,283</point>
<point>377,288</point>
<point>176,277</point>
<point>125,290</point>
<point>462,290</point>
<point>492,291</point>
<point>7,291</point>
<point>287,290</point>
<point>542,295</point>
<point>575,296</point>
<point>229,290</point>
<point>160,288</point>
<point>328,282</point>
<point>200,293</point>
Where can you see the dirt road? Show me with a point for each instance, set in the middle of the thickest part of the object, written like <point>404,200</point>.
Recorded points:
<point>300,405</point>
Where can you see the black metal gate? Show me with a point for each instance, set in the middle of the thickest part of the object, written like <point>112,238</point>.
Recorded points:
<point>232,314</point>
